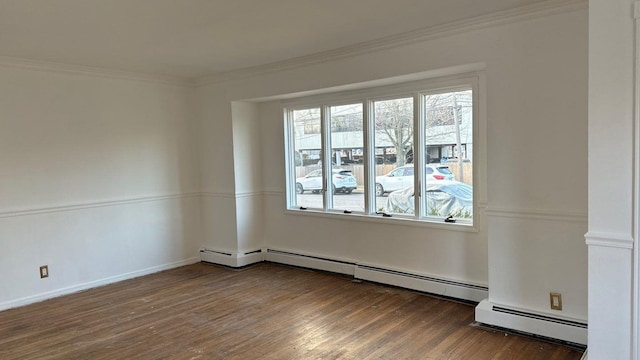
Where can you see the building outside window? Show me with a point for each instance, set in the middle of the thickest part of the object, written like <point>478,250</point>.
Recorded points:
<point>382,148</point>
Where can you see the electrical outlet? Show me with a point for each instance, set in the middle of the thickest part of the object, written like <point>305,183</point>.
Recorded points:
<point>44,271</point>
<point>555,300</point>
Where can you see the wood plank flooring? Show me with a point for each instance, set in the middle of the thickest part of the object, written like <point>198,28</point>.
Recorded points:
<point>265,311</point>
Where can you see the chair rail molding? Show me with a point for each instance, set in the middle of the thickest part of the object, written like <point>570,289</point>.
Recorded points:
<point>609,239</point>
<point>96,204</point>
<point>538,214</point>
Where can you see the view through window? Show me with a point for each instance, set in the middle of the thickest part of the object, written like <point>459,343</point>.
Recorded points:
<point>369,156</point>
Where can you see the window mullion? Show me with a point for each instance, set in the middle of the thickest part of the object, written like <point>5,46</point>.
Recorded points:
<point>418,154</point>
<point>289,158</point>
<point>325,130</point>
<point>369,157</point>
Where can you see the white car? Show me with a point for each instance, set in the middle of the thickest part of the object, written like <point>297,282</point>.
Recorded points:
<point>402,177</point>
<point>343,181</point>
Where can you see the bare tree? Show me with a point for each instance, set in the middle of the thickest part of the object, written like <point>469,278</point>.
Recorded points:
<point>394,119</point>
<point>444,118</point>
<point>446,121</point>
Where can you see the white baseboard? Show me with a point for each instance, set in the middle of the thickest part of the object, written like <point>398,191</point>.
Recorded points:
<point>310,261</point>
<point>538,324</point>
<point>231,259</point>
<point>92,284</point>
<point>421,282</point>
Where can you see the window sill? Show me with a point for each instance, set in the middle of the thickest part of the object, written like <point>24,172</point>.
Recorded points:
<point>379,219</point>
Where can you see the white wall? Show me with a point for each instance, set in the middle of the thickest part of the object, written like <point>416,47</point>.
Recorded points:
<point>215,140</point>
<point>611,145</point>
<point>98,179</point>
<point>536,162</point>
<point>247,175</point>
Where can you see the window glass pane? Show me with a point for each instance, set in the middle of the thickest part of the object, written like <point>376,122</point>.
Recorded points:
<point>449,144</point>
<point>393,141</point>
<point>332,138</point>
<point>346,157</point>
<point>307,150</point>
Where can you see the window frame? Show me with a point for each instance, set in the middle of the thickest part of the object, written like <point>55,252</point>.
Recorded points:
<point>367,97</point>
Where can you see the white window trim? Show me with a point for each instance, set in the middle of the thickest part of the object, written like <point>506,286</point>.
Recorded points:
<point>417,89</point>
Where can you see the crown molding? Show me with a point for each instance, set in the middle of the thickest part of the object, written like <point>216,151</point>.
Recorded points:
<point>37,65</point>
<point>542,9</point>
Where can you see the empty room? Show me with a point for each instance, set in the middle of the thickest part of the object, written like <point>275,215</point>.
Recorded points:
<point>287,179</point>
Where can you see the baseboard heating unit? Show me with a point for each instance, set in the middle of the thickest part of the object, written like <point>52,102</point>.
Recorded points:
<point>420,282</point>
<point>424,283</point>
<point>231,259</point>
<point>396,277</point>
<point>570,330</point>
<point>310,261</point>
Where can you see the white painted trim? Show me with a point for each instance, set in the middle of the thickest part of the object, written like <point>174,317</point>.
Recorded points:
<point>524,13</point>
<point>635,327</point>
<point>46,66</point>
<point>98,204</point>
<point>422,282</point>
<point>536,214</point>
<point>220,195</point>
<point>233,195</point>
<point>585,356</point>
<point>92,284</point>
<point>547,326</point>
<point>459,76</point>
<point>394,220</point>
<point>246,194</point>
<point>612,240</point>
<point>277,193</point>
<point>232,259</point>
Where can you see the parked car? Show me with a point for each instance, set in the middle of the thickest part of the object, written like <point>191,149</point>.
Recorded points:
<point>343,181</point>
<point>444,198</point>
<point>402,177</point>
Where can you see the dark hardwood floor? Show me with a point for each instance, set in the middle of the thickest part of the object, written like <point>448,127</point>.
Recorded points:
<point>265,311</point>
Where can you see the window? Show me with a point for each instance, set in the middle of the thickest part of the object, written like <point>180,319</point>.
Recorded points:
<point>392,152</point>
<point>307,180</point>
<point>342,144</point>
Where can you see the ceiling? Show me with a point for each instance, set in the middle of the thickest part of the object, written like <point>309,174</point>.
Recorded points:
<point>194,38</point>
